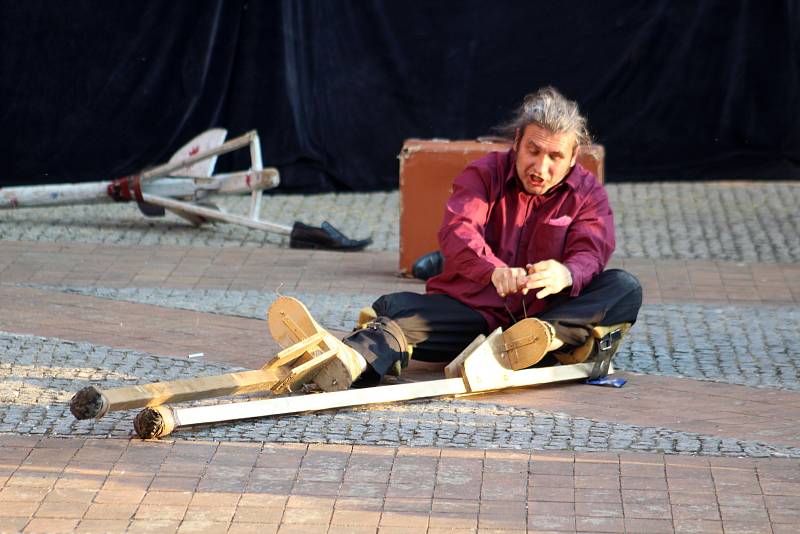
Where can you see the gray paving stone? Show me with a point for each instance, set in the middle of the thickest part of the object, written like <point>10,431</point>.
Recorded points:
<point>742,221</point>
<point>38,377</point>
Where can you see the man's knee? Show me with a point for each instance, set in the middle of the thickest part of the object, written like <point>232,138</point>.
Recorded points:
<point>395,305</point>
<point>623,280</point>
<point>626,285</point>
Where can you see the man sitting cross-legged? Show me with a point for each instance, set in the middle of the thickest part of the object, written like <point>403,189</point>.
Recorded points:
<point>526,233</point>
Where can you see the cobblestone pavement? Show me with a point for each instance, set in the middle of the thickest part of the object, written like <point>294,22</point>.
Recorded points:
<point>673,453</point>
<point>725,221</point>
<point>738,222</point>
<point>753,346</point>
<point>38,377</point>
<point>747,345</point>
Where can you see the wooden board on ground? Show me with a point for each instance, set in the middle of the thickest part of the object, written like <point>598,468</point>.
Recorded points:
<point>453,369</point>
<point>93,403</point>
<point>481,368</point>
<point>484,368</point>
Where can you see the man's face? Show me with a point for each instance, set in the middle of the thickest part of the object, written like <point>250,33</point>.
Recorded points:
<point>544,158</point>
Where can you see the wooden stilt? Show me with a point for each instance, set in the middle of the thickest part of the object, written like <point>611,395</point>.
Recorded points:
<point>92,402</point>
<point>482,369</point>
<point>302,373</point>
<point>156,423</point>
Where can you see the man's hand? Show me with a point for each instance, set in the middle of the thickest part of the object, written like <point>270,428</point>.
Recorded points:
<point>549,275</point>
<point>509,280</point>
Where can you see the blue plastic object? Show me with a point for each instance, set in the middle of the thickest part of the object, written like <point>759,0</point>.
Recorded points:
<point>607,381</point>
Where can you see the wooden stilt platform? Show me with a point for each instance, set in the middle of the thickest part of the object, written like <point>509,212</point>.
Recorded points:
<point>481,367</point>
<point>306,355</point>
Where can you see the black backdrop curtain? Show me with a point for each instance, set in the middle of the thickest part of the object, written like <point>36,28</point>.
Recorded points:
<point>704,89</point>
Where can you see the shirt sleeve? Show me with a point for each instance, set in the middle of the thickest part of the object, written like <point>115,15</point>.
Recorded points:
<point>462,236</point>
<point>590,240</point>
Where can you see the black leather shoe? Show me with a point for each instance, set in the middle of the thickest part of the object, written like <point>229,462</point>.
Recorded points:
<point>325,237</point>
<point>428,265</point>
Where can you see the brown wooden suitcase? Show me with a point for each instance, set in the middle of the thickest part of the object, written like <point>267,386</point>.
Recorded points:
<point>427,171</point>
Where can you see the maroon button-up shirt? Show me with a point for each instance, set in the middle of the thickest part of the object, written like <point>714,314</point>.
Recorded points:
<point>490,222</point>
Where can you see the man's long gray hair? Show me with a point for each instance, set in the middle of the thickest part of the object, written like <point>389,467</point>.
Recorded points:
<point>551,110</point>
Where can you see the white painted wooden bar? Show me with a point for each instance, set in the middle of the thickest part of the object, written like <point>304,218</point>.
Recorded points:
<point>318,401</point>
<point>374,395</point>
<point>215,215</point>
<point>228,146</point>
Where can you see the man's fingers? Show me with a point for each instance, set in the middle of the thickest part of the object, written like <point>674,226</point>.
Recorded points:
<point>516,279</point>
<point>501,290</point>
<point>520,280</point>
<point>544,292</point>
<point>507,286</point>
<point>540,266</point>
<point>536,285</point>
<point>543,275</point>
<point>512,281</point>
<point>502,287</point>
<point>549,275</point>
<point>537,281</point>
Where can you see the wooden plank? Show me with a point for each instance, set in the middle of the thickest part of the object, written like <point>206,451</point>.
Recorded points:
<point>184,417</point>
<point>547,375</point>
<point>303,373</point>
<point>277,374</point>
<point>291,353</point>
<point>318,401</point>
<point>194,388</point>
<point>247,181</point>
<point>171,166</point>
<point>482,365</point>
<point>487,367</point>
<point>167,187</point>
<point>93,402</point>
<point>216,215</point>
<point>54,195</point>
<point>453,369</point>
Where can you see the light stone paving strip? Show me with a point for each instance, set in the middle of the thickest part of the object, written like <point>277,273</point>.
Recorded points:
<point>740,221</point>
<point>38,377</point>
<point>752,346</point>
<point>358,215</point>
<point>333,310</point>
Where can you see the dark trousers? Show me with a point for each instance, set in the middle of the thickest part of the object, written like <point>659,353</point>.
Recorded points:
<point>439,327</point>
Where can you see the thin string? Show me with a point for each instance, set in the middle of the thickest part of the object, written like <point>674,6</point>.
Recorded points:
<point>513,319</point>
<point>524,310</point>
